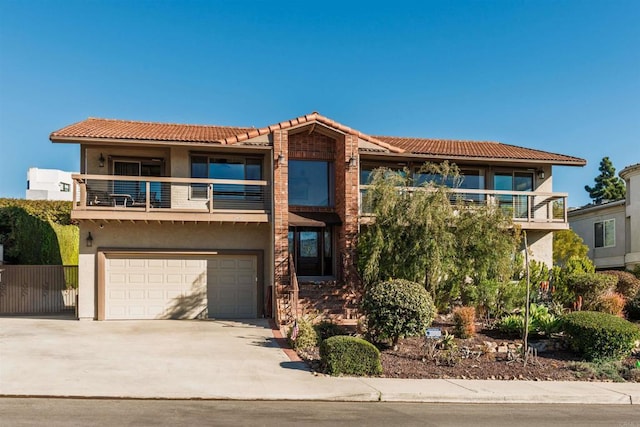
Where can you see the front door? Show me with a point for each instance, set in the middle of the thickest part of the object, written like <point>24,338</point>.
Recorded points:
<point>312,250</point>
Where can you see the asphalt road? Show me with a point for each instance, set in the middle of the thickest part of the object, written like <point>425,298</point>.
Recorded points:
<point>121,413</point>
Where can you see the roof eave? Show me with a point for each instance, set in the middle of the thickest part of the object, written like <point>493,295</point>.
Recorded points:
<point>145,142</point>
<point>475,158</point>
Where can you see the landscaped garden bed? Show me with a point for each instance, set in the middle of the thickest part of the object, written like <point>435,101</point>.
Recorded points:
<point>489,355</point>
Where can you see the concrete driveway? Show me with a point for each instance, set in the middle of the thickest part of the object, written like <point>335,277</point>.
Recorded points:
<point>154,359</point>
<point>183,359</point>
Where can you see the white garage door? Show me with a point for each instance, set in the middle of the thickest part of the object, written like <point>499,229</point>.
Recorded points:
<point>180,287</point>
<point>232,287</point>
<point>155,288</point>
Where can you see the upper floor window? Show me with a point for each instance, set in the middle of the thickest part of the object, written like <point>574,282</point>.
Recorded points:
<point>366,170</point>
<point>220,167</point>
<point>65,187</point>
<point>469,179</point>
<point>311,183</point>
<point>605,233</point>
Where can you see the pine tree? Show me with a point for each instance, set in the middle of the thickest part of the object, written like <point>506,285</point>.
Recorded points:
<point>609,187</point>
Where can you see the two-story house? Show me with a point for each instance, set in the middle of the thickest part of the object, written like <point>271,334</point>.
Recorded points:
<point>181,221</point>
<point>611,230</point>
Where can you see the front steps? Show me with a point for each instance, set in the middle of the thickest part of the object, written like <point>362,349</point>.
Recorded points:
<point>328,300</point>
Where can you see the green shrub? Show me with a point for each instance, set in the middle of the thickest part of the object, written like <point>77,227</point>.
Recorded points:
<point>562,292</point>
<point>397,308</point>
<point>597,335</point>
<point>511,295</point>
<point>464,321</point>
<point>541,322</point>
<point>345,355</point>
<point>628,284</point>
<point>579,264</point>
<point>512,325</point>
<point>306,337</point>
<point>632,307</point>
<point>590,286</point>
<point>327,329</point>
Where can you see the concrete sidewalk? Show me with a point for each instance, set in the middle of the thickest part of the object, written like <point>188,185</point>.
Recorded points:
<point>226,360</point>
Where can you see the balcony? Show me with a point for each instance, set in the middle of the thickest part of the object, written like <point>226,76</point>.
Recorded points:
<point>132,198</point>
<point>530,209</point>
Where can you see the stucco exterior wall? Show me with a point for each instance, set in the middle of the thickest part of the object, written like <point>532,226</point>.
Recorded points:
<point>582,222</point>
<point>188,236</point>
<point>541,246</point>
<point>47,184</point>
<point>631,175</point>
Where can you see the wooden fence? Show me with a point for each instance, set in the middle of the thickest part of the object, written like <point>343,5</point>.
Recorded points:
<point>38,289</point>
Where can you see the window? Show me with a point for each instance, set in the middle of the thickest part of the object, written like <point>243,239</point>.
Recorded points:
<point>310,183</point>
<point>366,170</point>
<point>137,189</point>
<point>605,233</point>
<point>242,169</point>
<point>65,187</point>
<point>469,179</point>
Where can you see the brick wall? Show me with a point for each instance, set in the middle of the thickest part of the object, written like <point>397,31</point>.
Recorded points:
<point>281,208</point>
<point>347,207</point>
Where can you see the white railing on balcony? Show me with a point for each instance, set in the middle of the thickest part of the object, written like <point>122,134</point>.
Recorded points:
<point>111,192</point>
<point>523,206</point>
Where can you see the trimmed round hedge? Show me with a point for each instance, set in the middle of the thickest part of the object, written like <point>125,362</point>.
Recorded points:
<point>600,335</point>
<point>347,355</point>
<point>397,308</point>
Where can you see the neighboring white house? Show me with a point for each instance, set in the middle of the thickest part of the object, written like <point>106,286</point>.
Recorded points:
<point>48,184</point>
<point>612,230</point>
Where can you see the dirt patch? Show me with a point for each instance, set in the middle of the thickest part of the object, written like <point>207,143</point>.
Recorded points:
<point>485,356</point>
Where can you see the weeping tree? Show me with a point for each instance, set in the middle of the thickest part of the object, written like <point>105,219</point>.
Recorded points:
<point>421,232</point>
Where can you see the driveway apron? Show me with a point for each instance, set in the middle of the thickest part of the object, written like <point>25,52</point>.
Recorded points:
<point>153,359</point>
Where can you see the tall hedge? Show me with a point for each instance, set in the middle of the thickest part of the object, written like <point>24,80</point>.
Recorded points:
<point>38,232</point>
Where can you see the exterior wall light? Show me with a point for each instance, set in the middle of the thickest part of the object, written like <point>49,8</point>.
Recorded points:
<point>281,159</point>
<point>540,174</point>
<point>353,162</point>
<point>101,160</point>
<point>89,240</point>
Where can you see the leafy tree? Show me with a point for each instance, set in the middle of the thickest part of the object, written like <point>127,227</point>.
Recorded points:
<point>427,235</point>
<point>567,244</point>
<point>609,187</point>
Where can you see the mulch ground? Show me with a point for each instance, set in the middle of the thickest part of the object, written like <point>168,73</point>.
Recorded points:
<point>473,359</point>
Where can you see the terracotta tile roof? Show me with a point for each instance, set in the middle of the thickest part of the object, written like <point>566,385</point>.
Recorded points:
<point>313,117</point>
<point>95,128</point>
<point>475,149</point>
<point>126,129</point>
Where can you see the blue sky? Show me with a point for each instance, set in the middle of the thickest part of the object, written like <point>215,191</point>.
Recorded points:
<point>561,76</point>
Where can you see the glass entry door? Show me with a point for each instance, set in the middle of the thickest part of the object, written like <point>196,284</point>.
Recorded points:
<point>312,250</point>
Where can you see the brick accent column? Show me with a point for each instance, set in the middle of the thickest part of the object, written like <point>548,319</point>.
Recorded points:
<point>281,208</point>
<point>347,207</point>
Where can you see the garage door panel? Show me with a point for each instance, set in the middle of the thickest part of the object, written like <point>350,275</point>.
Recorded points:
<point>153,288</point>
<point>232,287</point>
<point>157,288</point>
<point>155,278</point>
